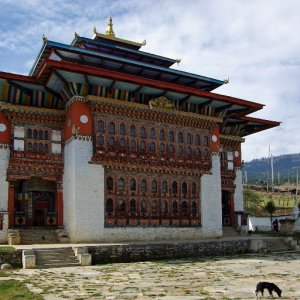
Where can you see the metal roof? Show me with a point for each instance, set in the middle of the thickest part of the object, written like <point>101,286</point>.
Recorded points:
<point>124,51</point>
<point>125,65</point>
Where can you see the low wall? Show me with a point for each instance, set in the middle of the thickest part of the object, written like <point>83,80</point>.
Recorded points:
<point>263,223</point>
<point>11,257</point>
<point>142,252</point>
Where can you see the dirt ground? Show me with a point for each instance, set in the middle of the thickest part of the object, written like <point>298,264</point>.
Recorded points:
<point>232,277</point>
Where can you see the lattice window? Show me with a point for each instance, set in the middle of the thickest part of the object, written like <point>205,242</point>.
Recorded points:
<point>143,186</point>
<point>109,205</point>
<point>37,141</point>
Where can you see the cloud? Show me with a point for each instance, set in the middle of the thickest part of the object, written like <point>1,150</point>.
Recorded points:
<point>256,43</point>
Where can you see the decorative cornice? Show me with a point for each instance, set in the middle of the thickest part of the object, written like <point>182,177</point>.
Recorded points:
<point>74,99</point>
<point>232,138</point>
<point>215,153</point>
<point>30,109</point>
<point>142,111</point>
<point>4,146</point>
<point>21,113</point>
<point>134,167</point>
<point>79,137</point>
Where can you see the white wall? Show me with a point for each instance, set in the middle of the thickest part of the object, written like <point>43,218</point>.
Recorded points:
<point>83,186</point>
<point>4,158</point>
<point>3,233</point>
<point>69,187</point>
<point>262,223</point>
<point>211,200</point>
<point>19,132</point>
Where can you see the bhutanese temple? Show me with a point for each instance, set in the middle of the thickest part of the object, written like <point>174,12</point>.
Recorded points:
<point>109,143</point>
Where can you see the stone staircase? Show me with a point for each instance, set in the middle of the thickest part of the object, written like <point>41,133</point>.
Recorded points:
<point>38,236</point>
<point>229,232</point>
<point>276,245</point>
<point>281,244</point>
<point>55,258</point>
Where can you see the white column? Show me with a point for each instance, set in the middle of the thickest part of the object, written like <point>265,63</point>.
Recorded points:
<point>4,159</point>
<point>238,193</point>
<point>211,200</point>
<point>83,193</point>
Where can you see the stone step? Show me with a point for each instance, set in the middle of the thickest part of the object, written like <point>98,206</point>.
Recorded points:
<point>55,258</point>
<point>56,261</point>
<point>276,245</point>
<point>38,236</point>
<point>229,232</point>
<point>62,265</point>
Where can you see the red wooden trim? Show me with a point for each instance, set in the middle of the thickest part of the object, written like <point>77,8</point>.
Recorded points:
<point>18,77</point>
<point>11,204</point>
<point>232,215</point>
<point>49,78</point>
<point>60,207</point>
<point>145,81</point>
<point>260,121</point>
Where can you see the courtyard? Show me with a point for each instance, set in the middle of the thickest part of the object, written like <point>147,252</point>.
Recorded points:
<point>232,277</point>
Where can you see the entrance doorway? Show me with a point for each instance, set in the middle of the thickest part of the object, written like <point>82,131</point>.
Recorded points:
<point>35,203</point>
<point>43,203</point>
<point>227,209</point>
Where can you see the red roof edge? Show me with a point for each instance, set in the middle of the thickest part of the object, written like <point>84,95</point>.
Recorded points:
<point>146,81</point>
<point>261,121</point>
<point>13,76</point>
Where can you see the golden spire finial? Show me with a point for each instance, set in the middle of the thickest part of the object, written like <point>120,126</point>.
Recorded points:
<point>109,30</point>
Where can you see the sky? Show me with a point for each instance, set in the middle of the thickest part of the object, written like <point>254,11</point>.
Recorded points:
<point>255,43</point>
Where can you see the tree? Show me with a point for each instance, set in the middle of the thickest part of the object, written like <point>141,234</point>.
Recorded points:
<point>270,208</point>
<point>252,201</point>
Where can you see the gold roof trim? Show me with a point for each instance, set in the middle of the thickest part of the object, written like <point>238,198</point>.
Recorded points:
<point>159,109</point>
<point>232,138</point>
<point>161,102</point>
<point>30,109</point>
<point>110,35</point>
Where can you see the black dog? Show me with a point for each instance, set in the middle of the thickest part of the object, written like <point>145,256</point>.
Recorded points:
<point>269,286</point>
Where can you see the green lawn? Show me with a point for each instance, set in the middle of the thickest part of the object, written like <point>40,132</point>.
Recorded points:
<point>256,200</point>
<point>7,249</point>
<point>15,290</point>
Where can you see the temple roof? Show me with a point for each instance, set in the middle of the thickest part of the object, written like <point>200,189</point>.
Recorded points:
<point>111,37</point>
<point>107,63</point>
<point>246,125</point>
<point>63,52</point>
<point>109,48</point>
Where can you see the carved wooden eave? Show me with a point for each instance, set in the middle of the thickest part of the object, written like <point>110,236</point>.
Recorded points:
<point>25,169</point>
<point>156,114</point>
<point>230,140</point>
<point>29,114</point>
<point>151,169</point>
<point>149,164</point>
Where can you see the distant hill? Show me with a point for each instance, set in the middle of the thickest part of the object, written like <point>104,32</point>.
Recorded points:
<point>285,165</point>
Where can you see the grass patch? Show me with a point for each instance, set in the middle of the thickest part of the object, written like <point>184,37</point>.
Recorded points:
<point>7,249</point>
<point>15,290</point>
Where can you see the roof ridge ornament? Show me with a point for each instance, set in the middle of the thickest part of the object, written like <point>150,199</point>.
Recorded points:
<point>110,31</point>
<point>161,102</point>
<point>226,81</point>
<point>110,35</point>
<point>45,40</point>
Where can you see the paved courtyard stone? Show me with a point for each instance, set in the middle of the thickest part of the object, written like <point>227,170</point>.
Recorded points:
<point>232,277</point>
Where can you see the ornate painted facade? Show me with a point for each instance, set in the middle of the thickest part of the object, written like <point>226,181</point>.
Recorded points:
<point>110,143</point>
